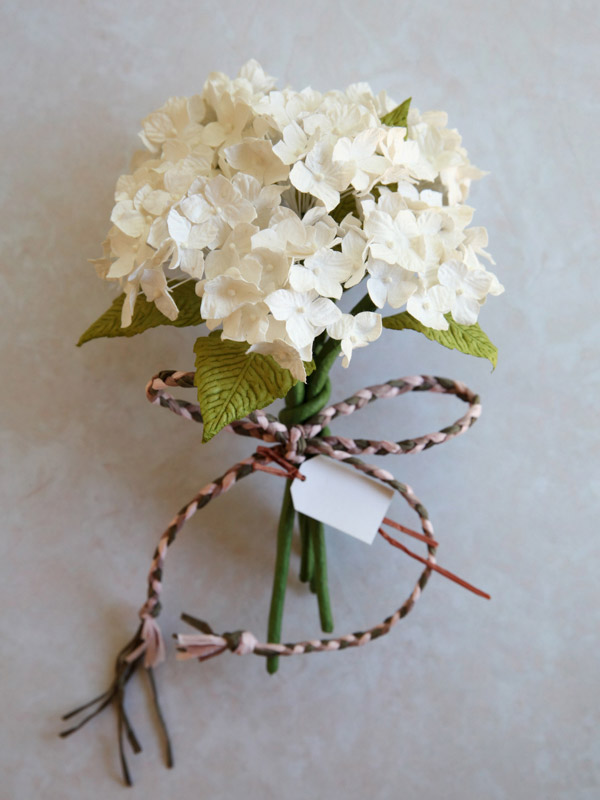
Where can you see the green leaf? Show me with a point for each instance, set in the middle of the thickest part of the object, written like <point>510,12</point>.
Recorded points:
<point>146,315</point>
<point>469,339</point>
<point>232,384</point>
<point>398,116</point>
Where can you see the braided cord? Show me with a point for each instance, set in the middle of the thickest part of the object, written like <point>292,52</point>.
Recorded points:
<point>418,383</point>
<point>292,445</point>
<point>207,644</point>
<point>152,606</point>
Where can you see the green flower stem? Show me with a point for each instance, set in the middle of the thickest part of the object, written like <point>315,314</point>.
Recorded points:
<point>317,531</point>
<point>293,415</point>
<point>282,564</point>
<point>307,559</point>
<point>302,402</point>
<point>296,395</point>
<point>296,411</point>
<point>320,377</point>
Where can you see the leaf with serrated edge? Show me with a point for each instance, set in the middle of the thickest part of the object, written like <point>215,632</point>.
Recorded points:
<point>232,383</point>
<point>469,339</point>
<point>146,315</point>
<point>397,117</point>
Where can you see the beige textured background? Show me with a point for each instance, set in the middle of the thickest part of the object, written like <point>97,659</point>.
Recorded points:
<point>466,699</point>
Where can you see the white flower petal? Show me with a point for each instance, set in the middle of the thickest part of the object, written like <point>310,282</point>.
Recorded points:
<point>301,279</point>
<point>195,208</point>
<point>465,310</point>
<point>323,312</point>
<point>127,219</point>
<point>256,157</point>
<point>294,144</point>
<point>400,291</point>
<point>122,266</point>
<point>377,292</point>
<point>179,227</point>
<point>192,263</point>
<point>282,303</point>
<point>225,294</point>
<point>166,305</point>
<point>158,232</point>
<point>300,330</point>
<point>301,177</point>
<point>341,327</point>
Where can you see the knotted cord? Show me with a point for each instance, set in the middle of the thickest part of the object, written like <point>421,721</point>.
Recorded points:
<point>291,445</point>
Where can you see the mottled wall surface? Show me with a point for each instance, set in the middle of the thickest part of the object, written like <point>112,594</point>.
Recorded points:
<point>466,698</point>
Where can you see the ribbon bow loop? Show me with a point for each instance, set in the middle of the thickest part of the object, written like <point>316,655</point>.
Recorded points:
<point>296,442</point>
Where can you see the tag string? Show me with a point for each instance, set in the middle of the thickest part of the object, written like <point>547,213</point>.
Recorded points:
<point>290,446</point>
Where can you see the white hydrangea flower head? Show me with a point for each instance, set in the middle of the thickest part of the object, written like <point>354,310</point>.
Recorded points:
<point>274,202</point>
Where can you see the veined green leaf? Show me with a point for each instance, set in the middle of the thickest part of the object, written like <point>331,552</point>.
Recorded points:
<point>146,315</point>
<point>469,339</point>
<point>232,383</point>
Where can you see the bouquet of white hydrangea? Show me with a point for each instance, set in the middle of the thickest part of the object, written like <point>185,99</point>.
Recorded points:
<point>252,211</point>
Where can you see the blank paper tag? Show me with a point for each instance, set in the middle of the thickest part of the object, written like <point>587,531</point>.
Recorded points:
<point>342,497</point>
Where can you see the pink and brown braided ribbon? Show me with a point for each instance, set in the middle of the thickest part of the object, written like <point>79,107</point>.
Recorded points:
<point>290,447</point>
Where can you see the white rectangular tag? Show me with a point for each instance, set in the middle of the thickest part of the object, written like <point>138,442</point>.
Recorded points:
<point>342,497</point>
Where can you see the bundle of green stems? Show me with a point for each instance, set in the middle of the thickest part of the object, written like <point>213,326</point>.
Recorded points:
<point>303,401</point>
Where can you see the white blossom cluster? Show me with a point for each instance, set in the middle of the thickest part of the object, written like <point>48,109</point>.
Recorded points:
<point>239,190</point>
